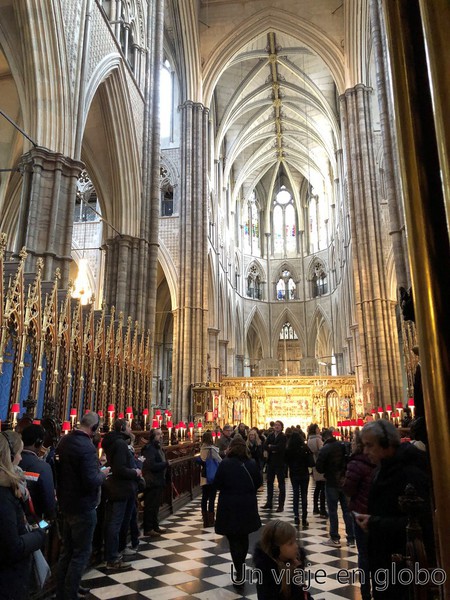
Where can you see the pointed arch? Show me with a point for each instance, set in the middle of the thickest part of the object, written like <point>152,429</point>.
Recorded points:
<point>168,266</point>
<point>257,325</point>
<point>287,315</point>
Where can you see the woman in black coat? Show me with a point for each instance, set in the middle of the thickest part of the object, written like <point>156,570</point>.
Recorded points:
<point>238,478</point>
<point>299,458</point>
<point>16,542</point>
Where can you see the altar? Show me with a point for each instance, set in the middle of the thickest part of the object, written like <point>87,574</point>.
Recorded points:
<point>294,400</point>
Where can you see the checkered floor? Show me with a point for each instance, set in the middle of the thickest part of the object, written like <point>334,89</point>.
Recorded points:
<point>192,562</point>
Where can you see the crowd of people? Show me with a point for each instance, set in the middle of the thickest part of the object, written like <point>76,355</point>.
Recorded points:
<point>91,500</point>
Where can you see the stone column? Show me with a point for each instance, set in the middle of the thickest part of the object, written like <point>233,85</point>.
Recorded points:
<point>122,273</point>
<point>131,263</point>
<point>190,319</point>
<point>46,210</point>
<point>380,360</point>
<point>393,192</point>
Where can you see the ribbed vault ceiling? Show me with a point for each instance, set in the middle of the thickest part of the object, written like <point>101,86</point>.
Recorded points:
<point>276,113</point>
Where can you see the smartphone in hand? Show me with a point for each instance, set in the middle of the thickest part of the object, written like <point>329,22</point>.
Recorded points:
<point>43,524</point>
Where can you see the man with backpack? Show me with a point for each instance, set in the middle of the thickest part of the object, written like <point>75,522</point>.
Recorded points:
<point>332,463</point>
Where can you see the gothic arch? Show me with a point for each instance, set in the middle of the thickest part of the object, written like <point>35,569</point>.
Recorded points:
<point>257,323</point>
<point>167,265</point>
<point>283,317</point>
<point>320,329</point>
<point>111,149</point>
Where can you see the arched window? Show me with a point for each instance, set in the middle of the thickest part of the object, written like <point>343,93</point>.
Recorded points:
<point>254,283</point>
<point>251,226</point>
<point>284,224</point>
<point>319,280</point>
<point>286,286</point>
<point>166,101</point>
<point>288,332</point>
<point>167,203</point>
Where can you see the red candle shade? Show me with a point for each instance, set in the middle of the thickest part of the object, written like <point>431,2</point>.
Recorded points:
<point>380,409</point>
<point>169,424</point>
<point>129,410</point>
<point>399,405</point>
<point>15,409</point>
<point>155,424</point>
<point>120,415</point>
<point>100,414</point>
<point>411,402</point>
<point>111,408</point>
<point>388,408</point>
<point>145,412</point>
<point>360,422</point>
<point>66,426</point>
<point>199,426</point>
<point>73,412</point>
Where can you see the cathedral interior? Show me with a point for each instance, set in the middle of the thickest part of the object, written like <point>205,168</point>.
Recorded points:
<point>232,209</point>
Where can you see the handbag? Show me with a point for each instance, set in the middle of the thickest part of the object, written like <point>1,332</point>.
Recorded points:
<point>310,459</point>
<point>211,468</point>
<point>40,568</point>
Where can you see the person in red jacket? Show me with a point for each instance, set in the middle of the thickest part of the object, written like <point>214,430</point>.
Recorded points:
<point>358,479</point>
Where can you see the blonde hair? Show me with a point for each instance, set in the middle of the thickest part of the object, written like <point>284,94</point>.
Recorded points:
<point>10,443</point>
<point>258,439</point>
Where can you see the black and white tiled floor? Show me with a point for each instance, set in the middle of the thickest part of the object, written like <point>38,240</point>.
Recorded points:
<point>190,562</point>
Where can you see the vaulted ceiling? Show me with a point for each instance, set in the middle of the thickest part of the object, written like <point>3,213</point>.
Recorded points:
<point>276,117</point>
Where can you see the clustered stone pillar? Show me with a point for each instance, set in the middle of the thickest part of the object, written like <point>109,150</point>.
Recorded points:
<point>46,210</point>
<point>374,310</point>
<point>131,262</point>
<point>190,318</point>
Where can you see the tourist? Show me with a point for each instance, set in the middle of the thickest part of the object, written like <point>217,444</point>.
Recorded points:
<point>279,560</point>
<point>358,479</point>
<point>238,479</point>
<point>315,443</point>
<point>208,451</point>
<point>154,471</point>
<point>331,462</point>
<point>299,458</point>
<point>121,488</point>
<point>255,447</point>
<point>275,446</point>
<point>225,440</point>
<point>78,481</point>
<point>397,466</point>
<point>38,473</point>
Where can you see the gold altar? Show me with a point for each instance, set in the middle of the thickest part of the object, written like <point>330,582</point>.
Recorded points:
<point>294,400</point>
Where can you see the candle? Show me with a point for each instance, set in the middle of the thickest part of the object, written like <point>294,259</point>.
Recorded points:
<point>145,415</point>
<point>389,411</point>
<point>73,416</point>
<point>191,429</point>
<point>411,406</point>
<point>169,427</point>
<point>129,413</point>
<point>66,427</point>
